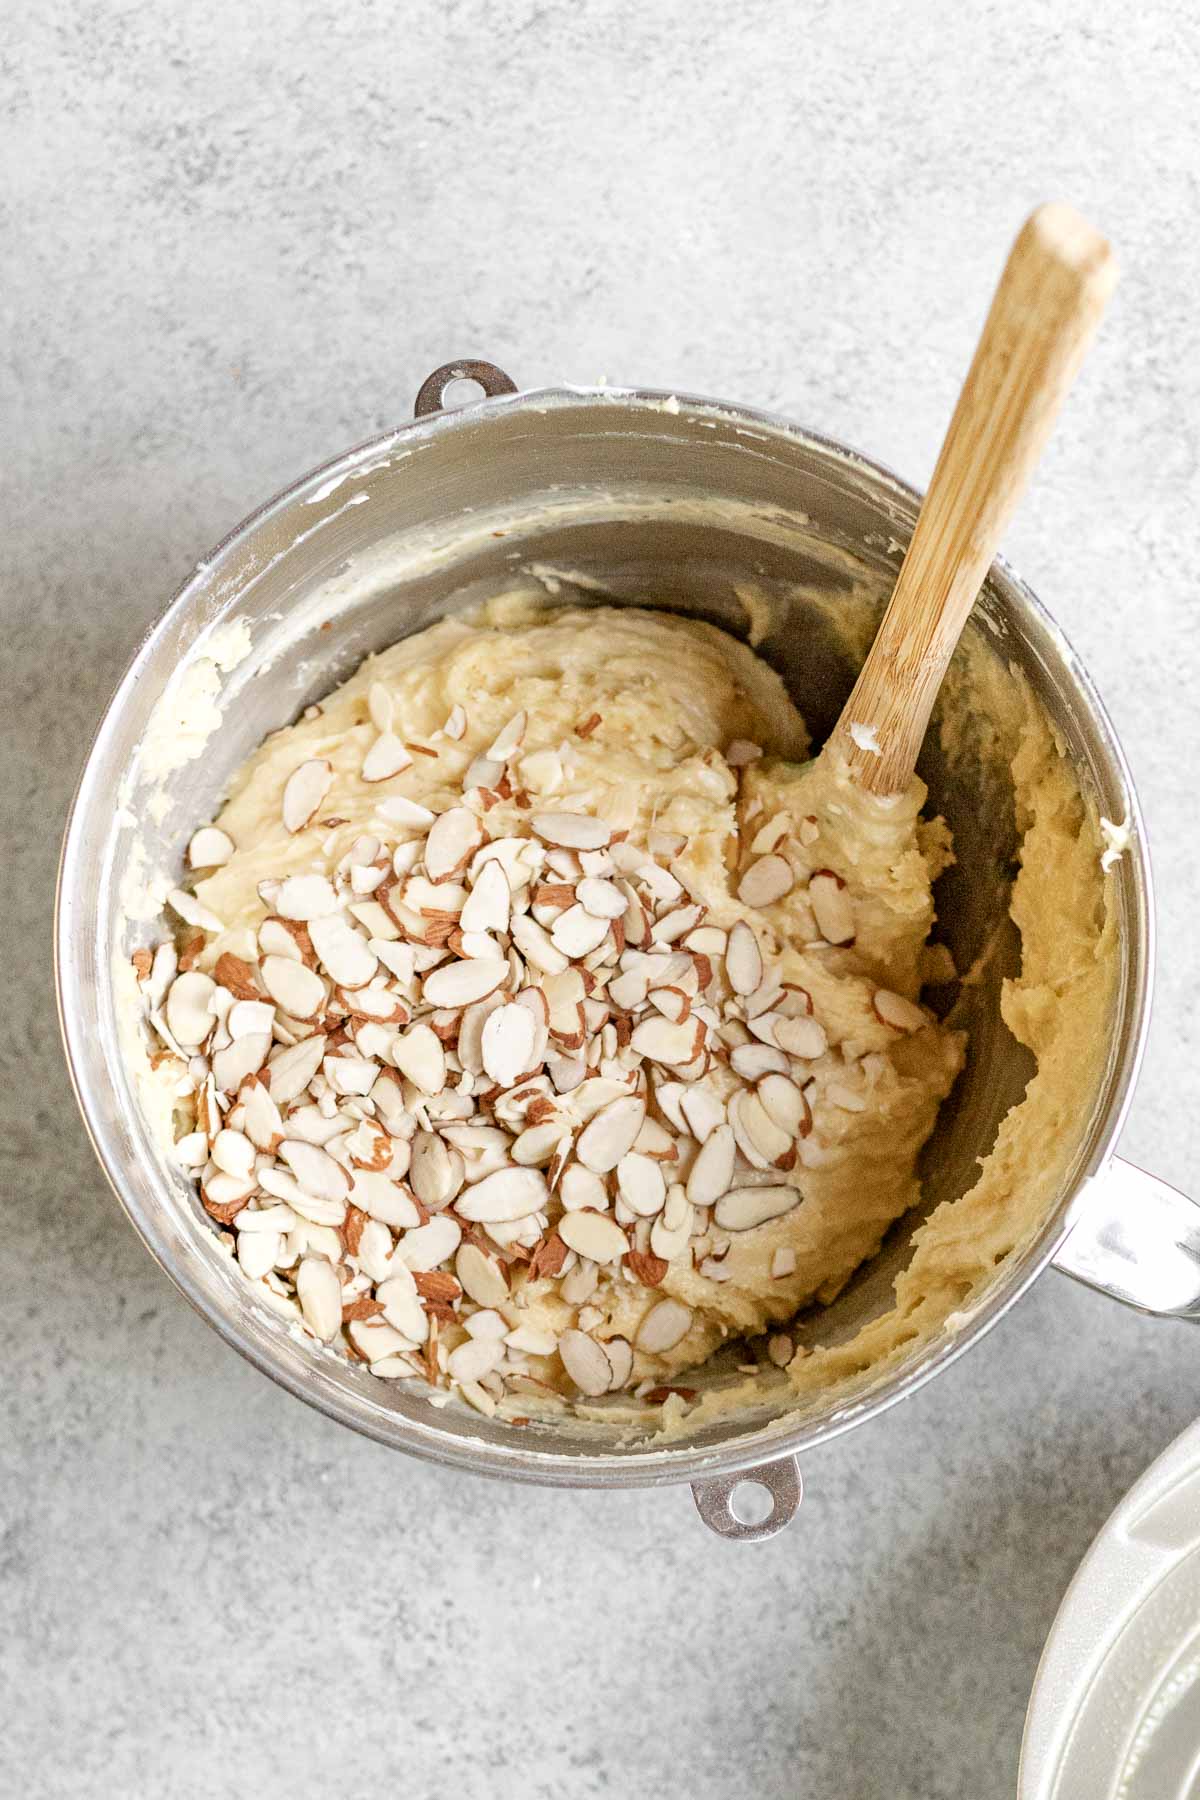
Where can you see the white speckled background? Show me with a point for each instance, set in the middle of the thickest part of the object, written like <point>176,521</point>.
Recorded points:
<point>234,240</point>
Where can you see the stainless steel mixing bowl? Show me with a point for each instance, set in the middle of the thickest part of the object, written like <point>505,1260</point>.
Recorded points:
<point>633,497</point>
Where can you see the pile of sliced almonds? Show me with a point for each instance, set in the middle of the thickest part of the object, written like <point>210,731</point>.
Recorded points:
<point>462,1063</point>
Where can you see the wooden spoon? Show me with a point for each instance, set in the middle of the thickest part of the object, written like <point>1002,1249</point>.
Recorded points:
<point>1055,286</point>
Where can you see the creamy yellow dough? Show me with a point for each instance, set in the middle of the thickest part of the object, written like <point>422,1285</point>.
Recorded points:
<point>629,717</point>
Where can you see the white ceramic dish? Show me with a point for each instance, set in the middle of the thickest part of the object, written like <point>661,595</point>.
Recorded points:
<point>1115,1712</point>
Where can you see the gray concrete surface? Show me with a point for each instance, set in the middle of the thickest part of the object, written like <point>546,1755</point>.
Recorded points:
<point>233,240</point>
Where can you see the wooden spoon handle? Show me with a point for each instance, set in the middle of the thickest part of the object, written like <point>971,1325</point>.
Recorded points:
<point>1055,285</point>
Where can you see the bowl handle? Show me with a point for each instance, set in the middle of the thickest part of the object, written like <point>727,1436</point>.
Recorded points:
<point>431,393</point>
<point>714,1500</point>
<point>1139,1240</point>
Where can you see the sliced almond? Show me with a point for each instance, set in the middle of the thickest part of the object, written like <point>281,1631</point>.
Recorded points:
<point>315,1169</point>
<point>773,1144</point>
<point>785,1104</point>
<point>610,1133</point>
<point>664,1042</point>
<point>453,839</point>
<point>586,1362</point>
<point>766,881</point>
<point>303,792</point>
<point>594,1235</point>
<point>712,1171</point>
<point>292,1069</point>
<point>210,848</point>
<point>509,1035</point>
<point>193,911</point>
<point>188,1008</point>
<point>262,1120</point>
<point>306,897</point>
<point>751,1061</point>
<point>419,1055</point>
<point>384,1199</point>
<point>601,898</point>
<point>832,907</point>
<point>619,1352</point>
<point>572,831</point>
<point>783,1263</point>
<point>456,724</point>
<point>580,1188</point>
<point>890,1009</point>
<point>464,983</point>
<point>508,739</point>
<point>342,951</point>
<point>577,932</point>
<point>743,959</point>
<point>511,1193</point>
<point>489,904</point>
<point>671,1002</point>
<point>402,811</point>
<point>481,1275</point>
<point>386,757</point>
<point>535,946</point>
<point>299,991</point>
<point>703,1112</point>
<point>641,1184</point>
<point>664,1326</point>
<point>744,1208</point>
<point>245,1056</point>
<point>471,1360</point>
<point>320,1295</point>
<point>428,1245</point>
<point>800,1037</point>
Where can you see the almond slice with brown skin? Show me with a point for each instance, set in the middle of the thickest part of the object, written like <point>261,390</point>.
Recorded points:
<point>386,757</point>
<point>890,1009</point>
<point>712,1171</point>
<point>458,984</point>
<point>453,839</point>
<point>743,959</point>
<point>262,1119</point>
<point>671,1002</point>
<point>586,1362</point>
<point>766,881</point>
<point>481,1275</point>
<point>744,1208</point>
<point>210,848</point>
<point>832,907</point>
<point>299,991</point>
<point>303,792</point>
<point>786,1104</point>
<point>594,1235</point>
<point>580,1188</point>
<point>572,831</point>
<point>245,1056</point>
<point>610,1133</point>
<point>664,1326</point>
